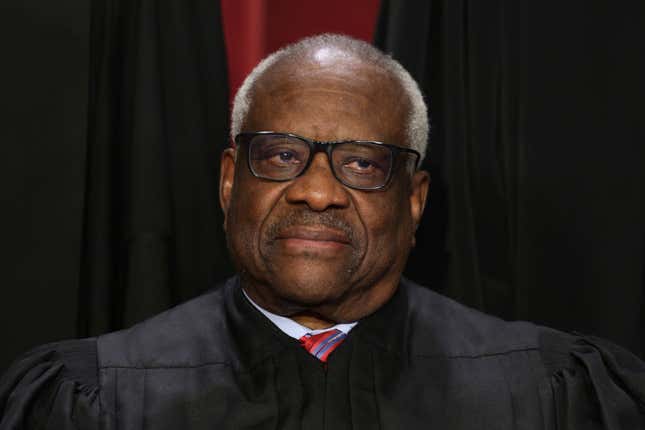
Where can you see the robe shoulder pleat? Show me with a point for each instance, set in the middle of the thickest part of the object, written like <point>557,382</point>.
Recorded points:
<point>54,386</point>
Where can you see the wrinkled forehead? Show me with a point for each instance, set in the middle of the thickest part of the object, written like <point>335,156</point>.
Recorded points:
<point>333,86</point>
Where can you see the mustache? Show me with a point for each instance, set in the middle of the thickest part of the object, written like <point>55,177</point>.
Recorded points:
<point>304,217</point>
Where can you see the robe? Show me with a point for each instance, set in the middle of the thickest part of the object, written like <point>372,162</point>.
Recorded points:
<point>421,361</point>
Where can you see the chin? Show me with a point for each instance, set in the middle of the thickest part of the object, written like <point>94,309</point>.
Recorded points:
<point>310,290</point>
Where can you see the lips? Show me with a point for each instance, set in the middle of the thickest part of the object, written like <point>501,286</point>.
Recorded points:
<point>314,234</point>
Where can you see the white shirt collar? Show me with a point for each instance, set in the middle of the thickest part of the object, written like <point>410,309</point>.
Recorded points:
<point>292,328</point>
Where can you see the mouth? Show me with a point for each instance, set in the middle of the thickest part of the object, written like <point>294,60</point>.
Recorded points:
<point>299,237</point>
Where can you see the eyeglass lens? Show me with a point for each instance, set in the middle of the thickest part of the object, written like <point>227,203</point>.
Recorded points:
<point>356,164</point>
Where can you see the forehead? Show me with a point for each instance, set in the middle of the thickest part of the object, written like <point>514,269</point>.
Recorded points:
<point>334,99</point>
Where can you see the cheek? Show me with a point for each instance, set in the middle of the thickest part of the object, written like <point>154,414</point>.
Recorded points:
<point>250,206</point>
<point>388,221</point>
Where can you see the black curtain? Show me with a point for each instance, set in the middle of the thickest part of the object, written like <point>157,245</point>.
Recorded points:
<point>115,111</point>
<point>118,111</point>
<point>43,97</point>
<point>537,157</point>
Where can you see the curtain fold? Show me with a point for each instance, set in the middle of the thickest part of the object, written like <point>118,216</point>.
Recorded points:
<point>536,158</point>
<point>43,82</point>
<point>157,123</point>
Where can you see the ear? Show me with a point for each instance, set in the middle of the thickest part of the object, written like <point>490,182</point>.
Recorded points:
<point>226,180</point>
<point>420,184</point>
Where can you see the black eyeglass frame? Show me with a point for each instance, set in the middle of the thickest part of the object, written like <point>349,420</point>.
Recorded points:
<point>316,146</point>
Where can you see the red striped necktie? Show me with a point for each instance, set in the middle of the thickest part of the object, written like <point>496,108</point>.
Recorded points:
<point>322,344</point>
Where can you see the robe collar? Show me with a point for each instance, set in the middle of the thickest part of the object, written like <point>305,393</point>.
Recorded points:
<point>257,337</point>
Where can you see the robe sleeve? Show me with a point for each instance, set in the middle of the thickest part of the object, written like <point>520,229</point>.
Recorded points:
<point>52,387</point>
<point>601,386</point>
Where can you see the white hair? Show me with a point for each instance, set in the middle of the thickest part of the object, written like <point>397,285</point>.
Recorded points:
<point>417,127</point>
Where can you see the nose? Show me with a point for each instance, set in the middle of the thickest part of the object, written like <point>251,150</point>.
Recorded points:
<point>317,187</point>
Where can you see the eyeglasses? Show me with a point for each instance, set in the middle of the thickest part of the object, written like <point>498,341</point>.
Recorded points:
<point>359,164</point>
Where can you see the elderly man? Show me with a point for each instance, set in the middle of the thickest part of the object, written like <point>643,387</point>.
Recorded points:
<point>322,196</point>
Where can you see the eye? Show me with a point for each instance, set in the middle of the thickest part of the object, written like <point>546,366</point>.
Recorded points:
<point>281,157</point>
<point>286,156</point>
<point>361,166</point>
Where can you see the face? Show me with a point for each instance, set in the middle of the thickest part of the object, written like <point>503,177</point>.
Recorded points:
<point>312,244</point>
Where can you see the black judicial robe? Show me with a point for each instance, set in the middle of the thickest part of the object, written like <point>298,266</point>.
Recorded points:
<point>420,362</point>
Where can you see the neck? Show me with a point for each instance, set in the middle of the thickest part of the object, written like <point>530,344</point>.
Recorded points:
<point>312,321</point>
<point>357,304</point>
<point>305,318</point>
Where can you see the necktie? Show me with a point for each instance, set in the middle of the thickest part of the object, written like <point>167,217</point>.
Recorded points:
<point>322,344</point>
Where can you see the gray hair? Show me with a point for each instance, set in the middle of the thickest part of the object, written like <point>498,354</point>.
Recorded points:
<point>417,127</point>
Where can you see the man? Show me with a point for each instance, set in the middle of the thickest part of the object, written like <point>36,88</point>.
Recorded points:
<point>322,196</point>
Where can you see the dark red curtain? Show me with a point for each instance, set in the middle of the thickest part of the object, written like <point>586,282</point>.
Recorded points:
<point>255,28</point>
